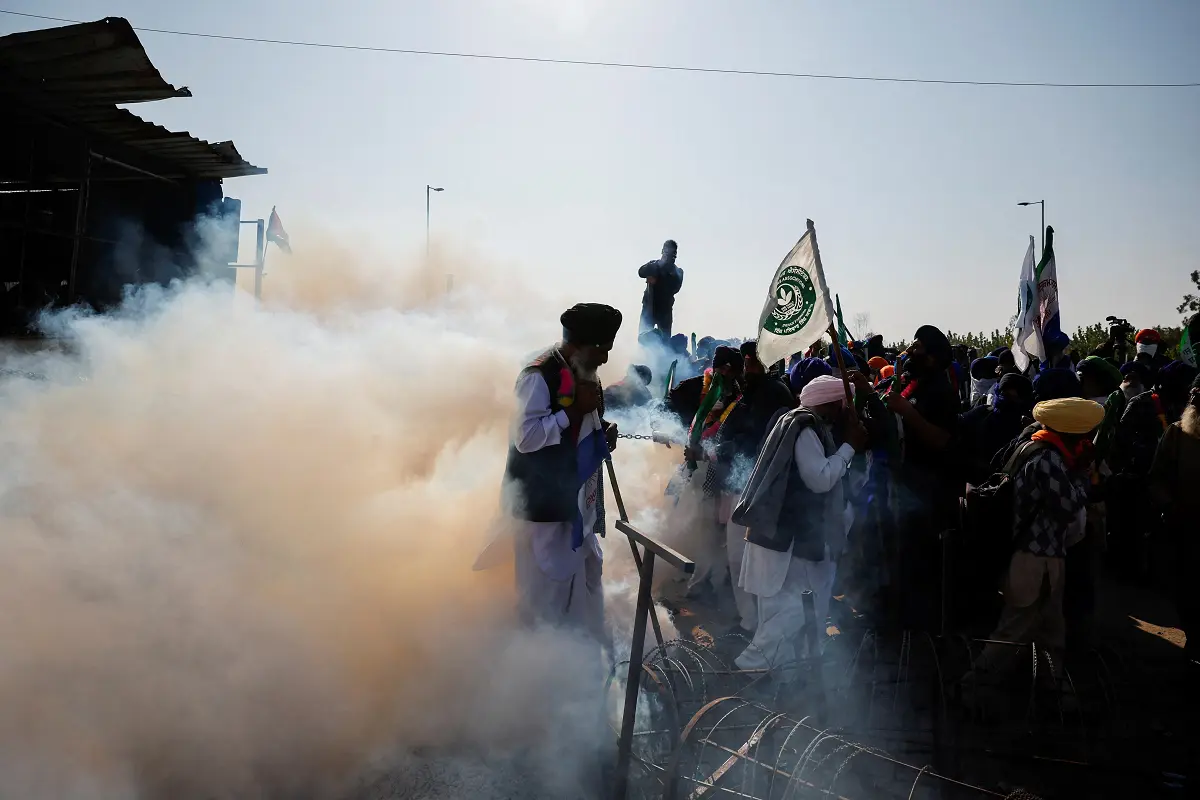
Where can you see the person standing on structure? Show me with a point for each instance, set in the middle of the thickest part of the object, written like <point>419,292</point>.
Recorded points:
<point>664,279</point>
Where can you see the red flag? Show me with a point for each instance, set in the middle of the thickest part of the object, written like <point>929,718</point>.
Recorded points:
<point>276,233</point>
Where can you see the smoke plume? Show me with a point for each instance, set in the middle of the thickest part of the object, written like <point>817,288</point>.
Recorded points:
<point>238,541</point>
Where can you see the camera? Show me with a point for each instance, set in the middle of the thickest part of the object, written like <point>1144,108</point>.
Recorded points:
<point>1119,328</point>
<point>1120,332</point>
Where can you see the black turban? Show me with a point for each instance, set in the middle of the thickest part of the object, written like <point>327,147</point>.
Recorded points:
<point>590,324</point>
<point>874,346</point>
<point>936,344</point>
<point>750,348</point>
<point>1021,385</point>
<point>984,367</point>
<point>727,357</point>
<point>1056,384</point>
<point>1175,380</point>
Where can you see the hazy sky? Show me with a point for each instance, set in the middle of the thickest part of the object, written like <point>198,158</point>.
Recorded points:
<point>575,175</point>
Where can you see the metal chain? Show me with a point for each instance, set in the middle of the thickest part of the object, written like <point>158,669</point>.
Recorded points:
<point>635,436</point>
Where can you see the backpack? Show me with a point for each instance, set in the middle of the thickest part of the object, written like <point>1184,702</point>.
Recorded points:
<point>988,514</point>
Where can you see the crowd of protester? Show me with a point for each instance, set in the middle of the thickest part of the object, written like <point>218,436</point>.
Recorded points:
<point>875,470</point>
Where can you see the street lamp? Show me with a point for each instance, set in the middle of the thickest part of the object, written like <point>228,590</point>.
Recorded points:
<point>1041,203</point>
<point>428,189</point>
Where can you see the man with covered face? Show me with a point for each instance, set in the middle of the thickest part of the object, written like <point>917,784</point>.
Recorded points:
<point>663,279</point>
<point>552,483</point>
<point>795,510</point>
<point>1175,488</point>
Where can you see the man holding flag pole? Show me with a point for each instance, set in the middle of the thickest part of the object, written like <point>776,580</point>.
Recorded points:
<point>794,506</point>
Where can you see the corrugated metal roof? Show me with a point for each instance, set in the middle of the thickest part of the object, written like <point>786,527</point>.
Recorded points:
<point>99,63</point>
<point>189,155</point>
<point>79,73</point>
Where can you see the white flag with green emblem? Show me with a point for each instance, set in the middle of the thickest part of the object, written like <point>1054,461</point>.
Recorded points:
<point>799,308</point>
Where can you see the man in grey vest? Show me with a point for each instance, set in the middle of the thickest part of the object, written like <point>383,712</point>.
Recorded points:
<point>797,515</point>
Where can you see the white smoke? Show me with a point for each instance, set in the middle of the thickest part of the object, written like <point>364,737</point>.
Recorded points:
<point>238,541</point>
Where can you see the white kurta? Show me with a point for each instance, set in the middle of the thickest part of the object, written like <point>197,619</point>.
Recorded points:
<point>556,584</point>
<point>778,580</point>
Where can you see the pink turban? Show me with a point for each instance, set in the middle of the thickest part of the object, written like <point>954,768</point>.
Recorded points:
<point>822,390</point>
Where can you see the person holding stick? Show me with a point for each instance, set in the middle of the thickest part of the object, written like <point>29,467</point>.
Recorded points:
<point>552,488</point>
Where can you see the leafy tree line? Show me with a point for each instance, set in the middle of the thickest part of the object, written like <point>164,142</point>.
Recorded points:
<point>1085,339</point>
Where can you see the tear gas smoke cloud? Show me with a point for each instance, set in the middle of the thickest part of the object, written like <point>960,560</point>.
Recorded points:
<point>238,541</point>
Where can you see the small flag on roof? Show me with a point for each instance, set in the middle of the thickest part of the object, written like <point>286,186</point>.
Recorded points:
<point>276,233</point>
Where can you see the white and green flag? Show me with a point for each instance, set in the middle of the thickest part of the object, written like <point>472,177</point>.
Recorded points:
<point>1190,342</point>
<point>799,308</point>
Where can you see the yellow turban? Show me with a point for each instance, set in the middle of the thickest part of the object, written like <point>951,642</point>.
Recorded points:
<point>1069,415</point>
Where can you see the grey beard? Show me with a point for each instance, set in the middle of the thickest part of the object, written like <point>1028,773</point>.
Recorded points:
<point>1190,421</point>
<point>581,370</point>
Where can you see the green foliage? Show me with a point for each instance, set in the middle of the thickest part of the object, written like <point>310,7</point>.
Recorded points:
<point>1191,302</point>
<point>983,342</point>
<point>1085,340</point>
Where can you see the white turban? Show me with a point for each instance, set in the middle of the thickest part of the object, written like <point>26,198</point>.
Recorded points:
<point>822,390</point>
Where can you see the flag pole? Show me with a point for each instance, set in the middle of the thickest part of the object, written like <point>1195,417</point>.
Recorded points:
<point>837,346</point>
<point>261,272</point>
<point>260,258</point>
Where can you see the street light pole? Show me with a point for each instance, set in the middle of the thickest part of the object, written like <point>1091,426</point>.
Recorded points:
<point>1041,203</point>
<point>428,189</point>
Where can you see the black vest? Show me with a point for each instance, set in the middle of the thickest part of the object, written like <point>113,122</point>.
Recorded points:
<point>542,486</point>
<point>807,521</point>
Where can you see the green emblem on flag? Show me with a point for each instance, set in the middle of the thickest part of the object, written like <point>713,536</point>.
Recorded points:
<point>795,301</point>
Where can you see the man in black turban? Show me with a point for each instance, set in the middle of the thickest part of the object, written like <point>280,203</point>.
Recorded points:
<point>591,325</point>
<point>552,489</point>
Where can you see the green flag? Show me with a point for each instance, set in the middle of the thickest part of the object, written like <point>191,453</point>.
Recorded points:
<point>843,332</point>
<point>706,406</point>
<point>670,378</point>
<point>1190,341</point>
